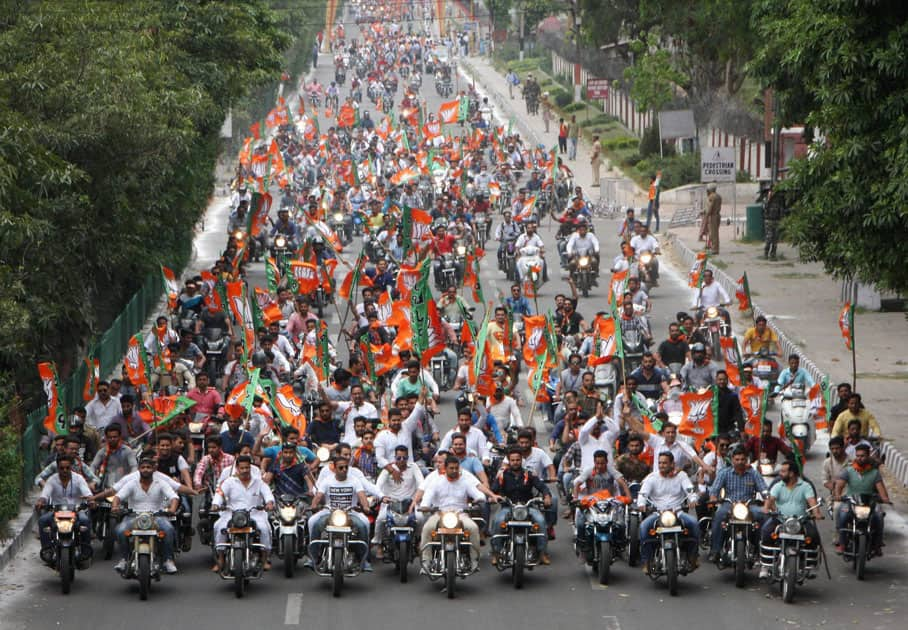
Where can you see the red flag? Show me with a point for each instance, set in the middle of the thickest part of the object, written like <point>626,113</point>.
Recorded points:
<point>699,415</point>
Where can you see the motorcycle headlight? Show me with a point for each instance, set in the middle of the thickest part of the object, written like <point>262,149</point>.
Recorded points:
<point>288,512</point>
<point>239,520</point>
<point>799,430</point>
<point>520,513</point>
<point>323,454</point>
<point>668,519</point>
<point>145,521</point>
<point>862,512</point>
<point>792,526</point>
<point>584,261</point>
<point>450,520</point>
<point>195,427</point>
<point>766,470</point>
<point>740,512</point>
<point>338,217</point>
<point>239,235</point>
<point>64,526</point>
<point>602,518</point>
<point>461,250</point>
<point>645,258</point>
<point>338,518</point>
<point>712,312</point>
<point>280,241</point>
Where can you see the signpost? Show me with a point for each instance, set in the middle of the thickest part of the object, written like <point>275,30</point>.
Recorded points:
<point>717,164</point>
<point>597,89</point>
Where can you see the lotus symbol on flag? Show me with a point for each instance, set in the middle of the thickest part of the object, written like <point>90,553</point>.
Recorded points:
<point>132,357</point>
<point>698,411</point>
<point>289,403</point>
<point>241,307</point>
<point>731,355</point>
<point>535,340</point>
<point>607,346</point>
<point>49,390</point>
<point>754,402</point>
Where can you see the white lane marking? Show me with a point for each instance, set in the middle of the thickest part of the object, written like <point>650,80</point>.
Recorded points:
<point>294,609</point>
<point>611,622</point>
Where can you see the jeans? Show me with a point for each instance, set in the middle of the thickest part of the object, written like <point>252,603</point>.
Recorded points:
<point>360,523</point>
<point>162,524</point>
<point>46,520</point>
<point>536,516</point>
<point>259,518</point>
<point>719,517</point>
<point>432,524</point>
<point>652,210</point>
<point>451,358</point>
<point>572,148</point>
<point>567,482</point>
<point>688,543</point>
<point>770,524</point>
<point>876,525</point>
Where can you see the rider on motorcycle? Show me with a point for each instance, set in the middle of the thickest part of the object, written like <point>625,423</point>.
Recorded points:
<point>518,485</point>
<point>583,243</point>
<point>792,496</point>
<point>286,227</point>
<point>741,482</point>
<point>861,477</point>
<point>644,242</point>
<point>243,491</point>
<point>602,476</point>
<point>667,489</point>
<point>506,232</point>
<point>63,487</point>
<point>531,249</point>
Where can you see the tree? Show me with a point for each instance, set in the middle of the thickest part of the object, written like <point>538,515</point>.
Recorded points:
<point>838,66</point>
<point>653,77</point>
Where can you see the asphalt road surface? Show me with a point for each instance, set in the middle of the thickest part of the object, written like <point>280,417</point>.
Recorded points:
<point>561,595</point>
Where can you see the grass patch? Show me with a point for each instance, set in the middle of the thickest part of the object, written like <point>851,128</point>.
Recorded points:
<point>887,376</point>
<point>795,276</point>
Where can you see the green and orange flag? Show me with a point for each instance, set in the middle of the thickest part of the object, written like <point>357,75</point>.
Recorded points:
<point>846,324</point>
<point>700,415</point>
<point>55,420</point>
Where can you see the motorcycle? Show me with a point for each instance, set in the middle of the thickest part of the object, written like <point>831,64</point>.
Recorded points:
<point>281,246</point>
<point>858,532</point>
<point>667,558</point>
<point>767,470</point>
<point>144,563</point>
<point>534,264</point>
<point>605,534</point>
<point>289,525</point>
<point>340,75</point>
<point>399,544</point>
<point>647,267</point>
<point>521,535</point>
<point>215,343</point>
<point>439,367</point>
<point>242,551</point>
<point>738,548</point>
<point>105,524</point>
<point>509,261</point>
<point>451,553</point>
<point>795,410</point>
<point>447,273</point>
<point>65,553</point>
<point>712,326</point>
<point>765,367</point>
<point>582,275</point>
<point>790,561</point>
<point>482,226</point>
<point>634,344</point>
<point>336,558</point>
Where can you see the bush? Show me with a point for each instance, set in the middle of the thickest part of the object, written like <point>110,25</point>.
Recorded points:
<point>631,160</point>
<point>562,97</point>
<point>507,51</point>
<point>573,107</point>
<point>10,474</point>
<point>743,177</point>
<point>649,143</point>
<point>605,120</point>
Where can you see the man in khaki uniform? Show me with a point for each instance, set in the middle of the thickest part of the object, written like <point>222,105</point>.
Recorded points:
<point>713,216</point>
<point>596,160</point>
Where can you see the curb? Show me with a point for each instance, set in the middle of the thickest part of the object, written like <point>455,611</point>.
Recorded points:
<point>22,526</point>
<point>896,461</point>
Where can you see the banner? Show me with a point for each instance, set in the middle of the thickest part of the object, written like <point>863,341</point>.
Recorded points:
<point>55,421</point>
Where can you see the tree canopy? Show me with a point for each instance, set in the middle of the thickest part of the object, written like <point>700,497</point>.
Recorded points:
<point>109,119</point>
<point>839,66</point>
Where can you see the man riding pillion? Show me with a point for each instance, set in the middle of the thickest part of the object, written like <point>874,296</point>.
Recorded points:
<point>583,243</point>
<point>792,497</point>
<point>451,492</point>
<point>520,485</point>
<point>242,491</point>
<point>147,494</point>
<point>530,246</point>
<point>668,489</point>
<point>506,232</point>
<point>741,482</point>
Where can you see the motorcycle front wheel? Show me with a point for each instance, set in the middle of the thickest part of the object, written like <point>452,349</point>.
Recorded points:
<point>520,560</point>
<point>740,564</point>
<point>860,558</point>
<point>239,580</point>
<point>789,581</point>
<point>66,570</point>
<point>144,575</point>
<point>337,575</point>
<point>450,573</point>
<point>671,571</point>
<point>288,544</point>
<point>633,543</point>
<point>403,560</point>
<point>605,562</point>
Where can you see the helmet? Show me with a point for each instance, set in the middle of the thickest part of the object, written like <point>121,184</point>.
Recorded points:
<point>698,347</point>
<point>711,187</point>
<point>259,359</point>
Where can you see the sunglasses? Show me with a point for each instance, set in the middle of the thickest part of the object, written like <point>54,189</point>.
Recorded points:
<point>340,468</point>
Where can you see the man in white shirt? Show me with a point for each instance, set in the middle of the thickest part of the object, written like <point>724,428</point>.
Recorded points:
<point>243,492</point>
<point>583,243</point>
<point>529,245</point>
<point>477,443</point>
<point>644,242</point>
<point>668,489</point>
<point>355,407</point>
<point>340,491</point>
<point>597,434</point>
<point>451,493</point>
<point>345,452</point>
<point>398,433</point>
<point>102,408</point>
<point>404,490</point>
<point>505,411</point>
<point>147,494</point>
<point>711,293</point>
<point>666,441</point>
<point>64,488</point>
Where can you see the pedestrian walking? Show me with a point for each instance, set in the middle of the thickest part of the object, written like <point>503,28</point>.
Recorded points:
<point>652,208</point>
<point>772,215</point>
<point>596,160</point>
<point>713,216</point>
<point>573,138</point>
<point>513,81</point>
<point>562,136</point>
<point>546,111</point>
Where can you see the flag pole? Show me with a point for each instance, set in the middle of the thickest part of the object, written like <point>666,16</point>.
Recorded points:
<point>854,356</point>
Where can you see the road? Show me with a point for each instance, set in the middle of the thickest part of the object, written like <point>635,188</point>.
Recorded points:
<point>560,595</point>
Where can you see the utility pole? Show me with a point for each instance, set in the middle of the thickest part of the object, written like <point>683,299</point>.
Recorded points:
<point>522,18</point>
<point>575,19</point>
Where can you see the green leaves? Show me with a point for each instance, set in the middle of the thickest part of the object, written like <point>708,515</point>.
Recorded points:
<point>838,67</point>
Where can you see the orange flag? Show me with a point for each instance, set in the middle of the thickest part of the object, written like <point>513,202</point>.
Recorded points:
<point>732,359</point>
<point>535,345</point>
<point>699,415</point>
<point>448,112</point>
<point>306,275</point>
<point>289,408</point>
<point>616,287</point>
<point>693,276</point>
<point>242,313</point>
<point>753,402</point>
<point>605,342</point>
<point>171,286</point>
<point>55,420</point>
<point>818,406</point>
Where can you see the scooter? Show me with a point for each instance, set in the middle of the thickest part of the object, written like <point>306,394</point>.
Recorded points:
<point>795,410</point>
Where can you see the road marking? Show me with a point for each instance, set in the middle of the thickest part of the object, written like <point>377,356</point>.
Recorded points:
<point>294,609</point>
<point>611,623</point>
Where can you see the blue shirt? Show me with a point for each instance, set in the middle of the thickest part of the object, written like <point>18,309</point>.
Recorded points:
<point>801,377</point>
<point>231,445</point>
<point>738,487</point>
<point>290,480</point>
<point>520,306</point>
<point>274,452</point>
<point>471,465</point>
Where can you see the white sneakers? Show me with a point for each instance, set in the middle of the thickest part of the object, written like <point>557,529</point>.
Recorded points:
<point>169,567</point>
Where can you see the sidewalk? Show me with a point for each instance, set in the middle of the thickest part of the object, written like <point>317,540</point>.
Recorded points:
<point>803,302</point>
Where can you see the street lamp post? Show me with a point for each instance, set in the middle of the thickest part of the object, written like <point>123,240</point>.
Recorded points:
<point>575,14</point>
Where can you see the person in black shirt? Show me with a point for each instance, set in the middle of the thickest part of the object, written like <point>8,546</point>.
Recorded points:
<point>176,467</point>
<point>652,381</point>
<point>844,392</point>
<point>323,431</point>
<point>731,416</point>
<point>290,473</point>
<point>519,486</point>
<point>674,349</point>
<point>570,322</point>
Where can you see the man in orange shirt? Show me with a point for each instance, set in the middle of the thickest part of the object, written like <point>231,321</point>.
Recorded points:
<point>652,209</point>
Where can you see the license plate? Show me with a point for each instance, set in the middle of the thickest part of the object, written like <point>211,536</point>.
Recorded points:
<point>519,524</point>
<point>798,403</point>
<point>668,530</point>
<point>240,530</point>
<point>784,536</point>
<point>144,532</point>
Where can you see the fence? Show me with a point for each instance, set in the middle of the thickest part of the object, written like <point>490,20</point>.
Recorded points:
<point>110,350</point>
